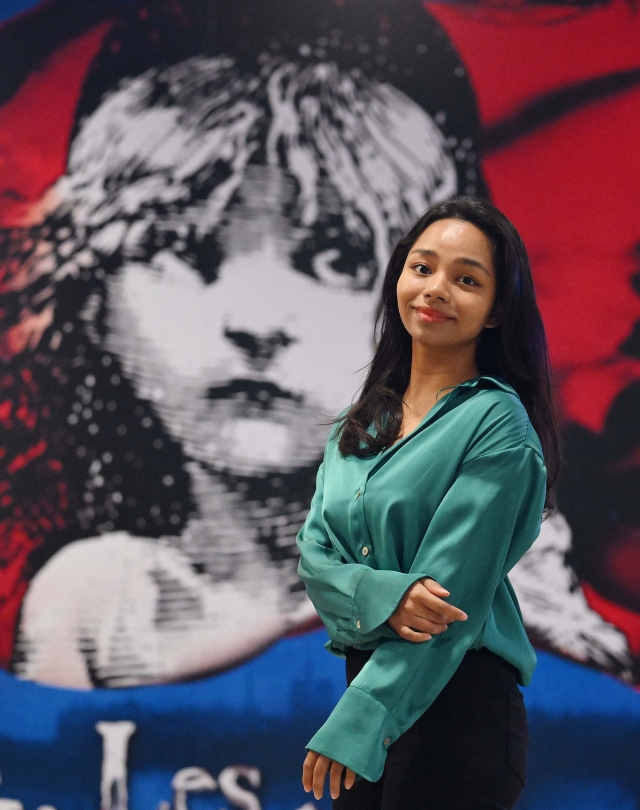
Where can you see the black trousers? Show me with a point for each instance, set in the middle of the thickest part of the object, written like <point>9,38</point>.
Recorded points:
<point>468,751</point>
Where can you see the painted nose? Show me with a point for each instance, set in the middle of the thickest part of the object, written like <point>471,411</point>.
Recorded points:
<point>259,349</point>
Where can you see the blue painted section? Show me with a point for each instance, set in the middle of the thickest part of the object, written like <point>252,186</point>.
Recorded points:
<point>585,733</point>
<point>585,740</point>
<point>9,8</point>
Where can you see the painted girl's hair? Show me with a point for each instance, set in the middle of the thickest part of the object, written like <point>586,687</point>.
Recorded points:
<point>155,166</point>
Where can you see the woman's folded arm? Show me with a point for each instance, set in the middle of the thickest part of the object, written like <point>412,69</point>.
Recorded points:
<point>352,599</point>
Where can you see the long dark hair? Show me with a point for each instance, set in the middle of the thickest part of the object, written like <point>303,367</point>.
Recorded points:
<point>516,349</point>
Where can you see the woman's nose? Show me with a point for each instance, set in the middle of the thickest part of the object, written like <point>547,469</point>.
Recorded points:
<point>435,287</point>
<point>259,349</point>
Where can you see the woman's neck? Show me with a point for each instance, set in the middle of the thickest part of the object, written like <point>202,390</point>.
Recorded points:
<point>434,369</point>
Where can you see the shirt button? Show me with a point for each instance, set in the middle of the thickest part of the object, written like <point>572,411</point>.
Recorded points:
<point>387,740</point>
<point>358,624</point>
<point>358,494</point>
<point>365,550</point>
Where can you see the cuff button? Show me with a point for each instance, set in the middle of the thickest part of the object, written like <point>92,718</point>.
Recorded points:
<point>358,624</point>
<point>387,740</point>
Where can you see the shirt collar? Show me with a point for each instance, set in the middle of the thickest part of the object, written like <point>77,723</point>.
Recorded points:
<point>493,380</point>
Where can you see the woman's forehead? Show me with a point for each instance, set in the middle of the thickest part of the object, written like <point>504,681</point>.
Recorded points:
<point>454,240</point>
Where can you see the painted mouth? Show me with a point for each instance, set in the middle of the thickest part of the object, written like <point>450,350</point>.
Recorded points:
<point>257,392</point>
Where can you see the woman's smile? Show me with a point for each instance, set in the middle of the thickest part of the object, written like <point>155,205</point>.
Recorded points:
<point>432,315</point>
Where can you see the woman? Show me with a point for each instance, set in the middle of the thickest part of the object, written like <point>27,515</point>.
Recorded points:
<point>438,473</point>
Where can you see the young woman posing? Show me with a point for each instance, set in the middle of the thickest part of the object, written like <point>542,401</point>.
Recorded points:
<point>439,473</point>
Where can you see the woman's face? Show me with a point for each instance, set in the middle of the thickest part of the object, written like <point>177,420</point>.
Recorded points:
<point>241,359</point>
<point>447,287</point>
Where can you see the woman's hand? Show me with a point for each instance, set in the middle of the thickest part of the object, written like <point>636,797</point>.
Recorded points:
<point>421,612</point>
<point>315,769</point>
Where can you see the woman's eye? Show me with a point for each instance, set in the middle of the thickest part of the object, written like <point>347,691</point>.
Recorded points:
<point>466,279</point>
<point>423,269</point>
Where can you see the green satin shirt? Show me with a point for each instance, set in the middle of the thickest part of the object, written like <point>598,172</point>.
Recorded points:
<point>459,499</point>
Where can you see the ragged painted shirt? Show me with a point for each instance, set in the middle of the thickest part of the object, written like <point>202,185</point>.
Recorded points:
<point>459,499</point>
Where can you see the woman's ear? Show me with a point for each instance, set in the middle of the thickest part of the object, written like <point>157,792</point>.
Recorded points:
<point>493,321</point>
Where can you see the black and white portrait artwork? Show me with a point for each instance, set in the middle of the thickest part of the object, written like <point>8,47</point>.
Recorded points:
<point>216,245</point>
<point>203,287</point>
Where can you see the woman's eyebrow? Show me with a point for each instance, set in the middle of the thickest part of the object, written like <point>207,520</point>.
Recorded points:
<point>462,260</point>
<point>472,263</point>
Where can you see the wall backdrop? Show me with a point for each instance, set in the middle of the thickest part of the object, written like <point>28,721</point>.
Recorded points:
<point>197,203</point>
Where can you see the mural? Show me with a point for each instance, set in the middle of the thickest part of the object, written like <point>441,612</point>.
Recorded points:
<point>217,216</point>
<point>222,277</point>
<point>197,201</point>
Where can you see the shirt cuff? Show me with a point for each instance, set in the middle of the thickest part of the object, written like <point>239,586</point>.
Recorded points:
<point>378,594</point>
<point>357,734</point>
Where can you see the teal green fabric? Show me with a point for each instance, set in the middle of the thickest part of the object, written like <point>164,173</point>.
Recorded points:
<point>459,499</point>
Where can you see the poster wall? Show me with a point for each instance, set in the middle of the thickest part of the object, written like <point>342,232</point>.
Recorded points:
<point>197,203</point>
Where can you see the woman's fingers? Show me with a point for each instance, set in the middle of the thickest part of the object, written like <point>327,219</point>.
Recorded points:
<point>335,774</point>
<point>433,602</point>
<point>314,770</point>
<point>422,618</point>
<point>307,770</point>
<point>407,618</point>
<point>434,586</point>
<point>422,614</point>
<point>434,617</point>
<point>422,625</point>
<point>411,635</point>
<point>319,772</point>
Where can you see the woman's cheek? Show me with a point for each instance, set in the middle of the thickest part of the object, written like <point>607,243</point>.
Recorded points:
<point>406,292</point>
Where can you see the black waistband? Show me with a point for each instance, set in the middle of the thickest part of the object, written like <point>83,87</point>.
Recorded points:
<point>474,659</point>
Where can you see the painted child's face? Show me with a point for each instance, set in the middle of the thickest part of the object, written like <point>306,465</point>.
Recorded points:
<point>241,353</point>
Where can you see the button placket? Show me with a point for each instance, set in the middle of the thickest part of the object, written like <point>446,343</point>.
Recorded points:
<point>367,547</point>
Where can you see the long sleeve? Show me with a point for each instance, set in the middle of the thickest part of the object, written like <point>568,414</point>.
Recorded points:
<point>353,600</point>
<point>488,518</point>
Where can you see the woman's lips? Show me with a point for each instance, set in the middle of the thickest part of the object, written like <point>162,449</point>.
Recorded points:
<point>432,315</point>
